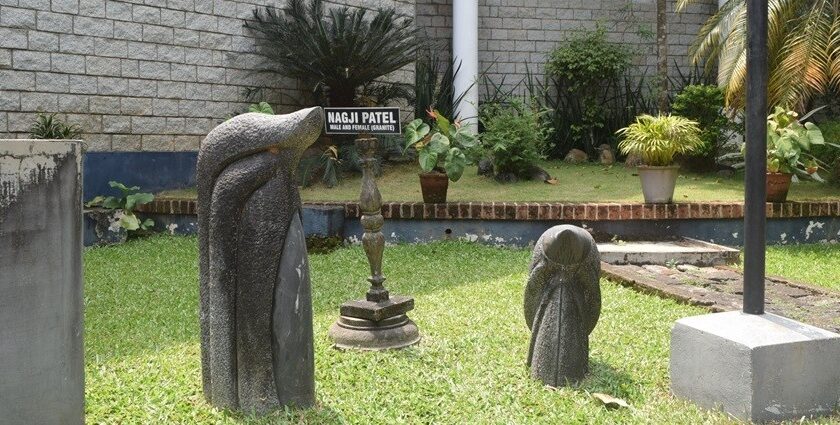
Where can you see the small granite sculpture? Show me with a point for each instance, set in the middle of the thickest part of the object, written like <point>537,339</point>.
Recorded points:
<point>562,304</point>
<point>256,310</point>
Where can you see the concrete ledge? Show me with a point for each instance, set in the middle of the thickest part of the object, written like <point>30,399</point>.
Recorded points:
<point>756,367</point>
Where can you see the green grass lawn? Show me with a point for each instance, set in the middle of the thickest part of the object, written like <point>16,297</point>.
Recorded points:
<point>142,350</point>
<point>813,263</point>
<point>577,183</point>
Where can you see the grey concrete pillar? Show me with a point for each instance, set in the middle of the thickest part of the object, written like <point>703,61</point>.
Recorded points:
<point>41,352</point>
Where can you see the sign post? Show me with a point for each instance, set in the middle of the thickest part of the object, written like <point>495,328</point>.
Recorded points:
<point>378,322</point>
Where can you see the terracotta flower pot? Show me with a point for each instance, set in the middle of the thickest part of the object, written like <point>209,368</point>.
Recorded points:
<point>658,183</point>
<point>434,186</point>
<point>778,185</point>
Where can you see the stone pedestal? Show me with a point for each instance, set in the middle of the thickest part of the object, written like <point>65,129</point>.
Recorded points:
<point>756,367</point>
<point>378,322</point>
<point>41,352</point>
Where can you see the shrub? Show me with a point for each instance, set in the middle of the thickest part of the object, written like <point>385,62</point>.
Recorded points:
<point>336,50</point>
<point>434,85</point>
<point>657,140</point>
<point>827,153</point>
<point>515,136</point>
<point>51,127</point>
<point>703,104</point>
<point>589,92</point>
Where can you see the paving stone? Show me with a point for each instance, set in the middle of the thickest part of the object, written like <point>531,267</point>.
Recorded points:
<point>721,289</point>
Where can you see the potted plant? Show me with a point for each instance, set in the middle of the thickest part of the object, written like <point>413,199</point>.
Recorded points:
<point>657,140</point>
<point>112,217</point>
<point>441,151</point>
<point>788,144</point>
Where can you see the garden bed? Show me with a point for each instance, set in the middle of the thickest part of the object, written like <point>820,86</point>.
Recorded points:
<point>142,348</point>
<point>576,183</point>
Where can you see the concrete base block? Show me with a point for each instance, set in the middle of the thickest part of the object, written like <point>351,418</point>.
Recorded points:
<point>756,367</point>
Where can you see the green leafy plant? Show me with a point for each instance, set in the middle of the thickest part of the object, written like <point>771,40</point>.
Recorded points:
<point>588,87</point>
<point>515,136</point>
<point>803,50</point>
<point>327,163</point>
<point>130,198</point>
<point>789,142</point>
<point>827,153</point>
<point>434,84</point>
<point>704,104</point>
<point>51,127</point>
<point>335,50</point>
<point>657,140</point>
<point>441,147</point>
<point>262,108</point>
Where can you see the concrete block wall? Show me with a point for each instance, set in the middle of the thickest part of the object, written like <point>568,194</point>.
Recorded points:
<point>514,35</point>
<point>138,75</point>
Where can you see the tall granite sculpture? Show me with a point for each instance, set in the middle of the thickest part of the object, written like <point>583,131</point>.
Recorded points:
<point>562,304</point>
<point>41,350</point>
<point>256,310</point>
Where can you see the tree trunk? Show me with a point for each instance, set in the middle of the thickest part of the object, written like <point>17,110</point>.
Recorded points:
<point>662,53</point>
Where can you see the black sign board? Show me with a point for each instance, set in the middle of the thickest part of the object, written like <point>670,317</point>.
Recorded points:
<point>362,121</point>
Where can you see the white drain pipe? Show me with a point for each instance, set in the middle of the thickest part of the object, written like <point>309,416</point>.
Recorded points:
<point>465,55</point>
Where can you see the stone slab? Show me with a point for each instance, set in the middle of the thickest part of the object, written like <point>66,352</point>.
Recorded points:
<point>377,311</point>
<point>756,367</point>
<point>679,251</point>
<point>720,289</point>
<point>41,349</point>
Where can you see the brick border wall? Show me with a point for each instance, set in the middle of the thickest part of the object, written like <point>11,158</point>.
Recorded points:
<point>537,211</point>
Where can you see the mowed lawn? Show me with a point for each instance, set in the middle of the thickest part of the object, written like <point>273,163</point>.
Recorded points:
<point>817,264</point>
<point>142,350</point>
<point>575,183</point>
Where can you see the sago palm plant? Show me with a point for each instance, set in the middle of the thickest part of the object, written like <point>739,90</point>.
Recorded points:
<point>657,140</point>
<point>803,43</point>
<point>335,49</point>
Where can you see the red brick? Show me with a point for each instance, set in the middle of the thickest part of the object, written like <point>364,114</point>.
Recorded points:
<point>613,211</point>
<point>682,211</point>
<point>544,211</point>
<point>533,211</point>
<point>475,209</point>
<point>428,211</point>
<point>487,211</point>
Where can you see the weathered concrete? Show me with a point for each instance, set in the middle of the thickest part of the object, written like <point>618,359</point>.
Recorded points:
<point>678,251</point>
<point>256,308</point>
<point>562,304</point>
<point>756,367</point>
<point>41,350</point>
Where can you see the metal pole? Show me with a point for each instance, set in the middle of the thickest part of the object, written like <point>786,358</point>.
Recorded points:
<point>755,191</point>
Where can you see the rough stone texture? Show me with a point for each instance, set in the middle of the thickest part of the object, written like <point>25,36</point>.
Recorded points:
<point>562,304</point>
<point>720,289</point>
<point>576,156</point>
<point>756,367</point>
<point>256,331</point>
<point>514,36</point>
<point>140,75</point>
<point>41,351</point>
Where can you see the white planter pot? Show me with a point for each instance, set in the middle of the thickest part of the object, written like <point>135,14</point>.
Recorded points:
<point>658,183</point>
